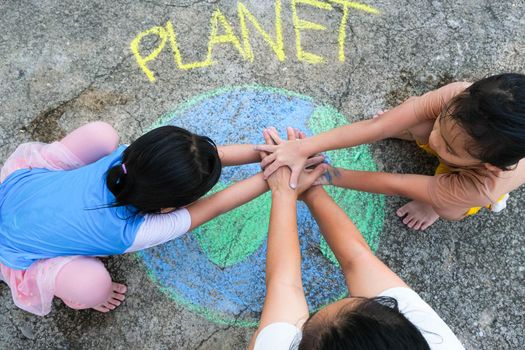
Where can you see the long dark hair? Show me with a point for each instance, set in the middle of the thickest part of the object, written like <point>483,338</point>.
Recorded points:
<point>370,324</point>
<point>492,112</point>
<point>168,167</point>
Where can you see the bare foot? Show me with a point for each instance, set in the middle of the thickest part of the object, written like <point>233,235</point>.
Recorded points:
<point>115,298</point>
<point>403,135</point>
<point>417,215</point>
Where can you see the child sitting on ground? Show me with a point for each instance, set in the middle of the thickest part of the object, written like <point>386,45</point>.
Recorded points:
<point>62,204</point>
<point>477,131</point>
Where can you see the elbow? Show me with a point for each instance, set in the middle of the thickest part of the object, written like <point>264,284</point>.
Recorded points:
<point>360,251</point>
<point>293,284</point>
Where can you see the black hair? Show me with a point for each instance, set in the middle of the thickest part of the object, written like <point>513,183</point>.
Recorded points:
<point>492,112</point>
<point>369,324</point>
<point>168,167</point>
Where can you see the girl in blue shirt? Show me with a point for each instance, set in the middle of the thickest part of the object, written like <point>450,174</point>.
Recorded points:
<point>62,204</point>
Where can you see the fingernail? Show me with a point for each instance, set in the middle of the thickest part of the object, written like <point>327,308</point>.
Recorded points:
<point>293,186</point>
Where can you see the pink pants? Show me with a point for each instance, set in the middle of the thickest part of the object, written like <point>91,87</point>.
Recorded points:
<point>81,282</point>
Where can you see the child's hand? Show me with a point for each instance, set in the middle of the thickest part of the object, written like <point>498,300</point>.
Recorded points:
<point>287,153</point>
<point>280,178</point>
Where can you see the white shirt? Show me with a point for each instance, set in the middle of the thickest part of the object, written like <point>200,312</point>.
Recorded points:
<point>281,335</point>
<point>161,228</point>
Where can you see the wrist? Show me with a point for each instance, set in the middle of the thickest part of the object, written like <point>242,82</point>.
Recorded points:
<point>307,147</point>
<point>284,192</point>
<point>333,176</point>
<point>313,194</point>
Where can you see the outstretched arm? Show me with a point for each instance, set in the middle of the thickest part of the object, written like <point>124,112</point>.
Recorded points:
<point>414,111</point>
<point>238,154</point>
<point>242,192</point>
<point>228,199</point>
<point>405,185</point>
<point>284,300</point>
<point>364,273</point>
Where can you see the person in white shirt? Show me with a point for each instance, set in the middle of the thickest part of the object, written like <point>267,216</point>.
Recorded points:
<point>382,312</point>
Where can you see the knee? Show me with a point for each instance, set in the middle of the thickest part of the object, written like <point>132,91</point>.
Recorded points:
<point>104,135</point>
<point>83,283</point>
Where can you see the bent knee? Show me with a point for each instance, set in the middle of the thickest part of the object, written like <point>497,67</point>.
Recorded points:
<point>104,135</point>
<point>83,283</point>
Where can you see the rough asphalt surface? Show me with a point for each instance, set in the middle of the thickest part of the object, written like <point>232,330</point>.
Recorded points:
<point>64,63</point>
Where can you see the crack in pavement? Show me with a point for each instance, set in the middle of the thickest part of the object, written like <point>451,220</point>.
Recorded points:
<point>201,343</point>
<point>347,88</point>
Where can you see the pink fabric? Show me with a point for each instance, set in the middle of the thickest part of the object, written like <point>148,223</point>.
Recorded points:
<point>54,156</point>
<point>33,289</point>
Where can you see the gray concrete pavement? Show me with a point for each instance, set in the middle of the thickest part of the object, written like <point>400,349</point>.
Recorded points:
<point>64,63</point>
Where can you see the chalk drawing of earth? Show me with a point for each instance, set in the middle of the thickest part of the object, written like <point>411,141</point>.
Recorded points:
<point>218,270</point>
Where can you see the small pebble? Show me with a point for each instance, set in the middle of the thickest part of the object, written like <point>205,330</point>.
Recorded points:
<point>27,332</point>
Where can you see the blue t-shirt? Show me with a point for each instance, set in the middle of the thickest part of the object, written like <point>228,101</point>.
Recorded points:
<point>45,214</point>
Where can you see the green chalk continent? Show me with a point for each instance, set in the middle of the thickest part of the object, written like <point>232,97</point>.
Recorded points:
<point>231,237</point>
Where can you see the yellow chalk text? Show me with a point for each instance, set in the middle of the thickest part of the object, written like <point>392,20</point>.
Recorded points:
<point>219,23</point>
<point>276,44</point>
<point>301,24</point>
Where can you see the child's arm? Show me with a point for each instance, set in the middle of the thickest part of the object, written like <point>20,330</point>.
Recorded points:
<point>285,300</point>
<point>238,154</point>
<point>294,154</point>
<point>406,185</point>
<point>228,199</point>
<point>412,112</point>
<point>364,273</point>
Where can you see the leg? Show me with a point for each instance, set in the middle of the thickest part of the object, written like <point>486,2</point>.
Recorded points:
<point>85,283</point>
<point>92,141</point>
<point>417,215</point>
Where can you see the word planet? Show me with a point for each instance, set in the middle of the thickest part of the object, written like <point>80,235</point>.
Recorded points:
<point>248,23</point>
<point>218,270</point>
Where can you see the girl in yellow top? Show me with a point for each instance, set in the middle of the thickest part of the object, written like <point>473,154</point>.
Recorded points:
<point>476,130</point>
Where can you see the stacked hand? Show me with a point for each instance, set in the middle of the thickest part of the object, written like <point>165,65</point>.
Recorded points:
<point>278,176</point>
<point>286,153</point>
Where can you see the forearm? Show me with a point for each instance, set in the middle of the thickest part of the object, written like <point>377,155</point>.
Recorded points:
<point>350,135</point>
<point>390,123</point>
<point>230,198</point>
<point>283,261</point>
<point>340,233</point>
<point>406,185</point>
<point>238,154</point>
<point>364,273</point>
<point>366,181</point>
